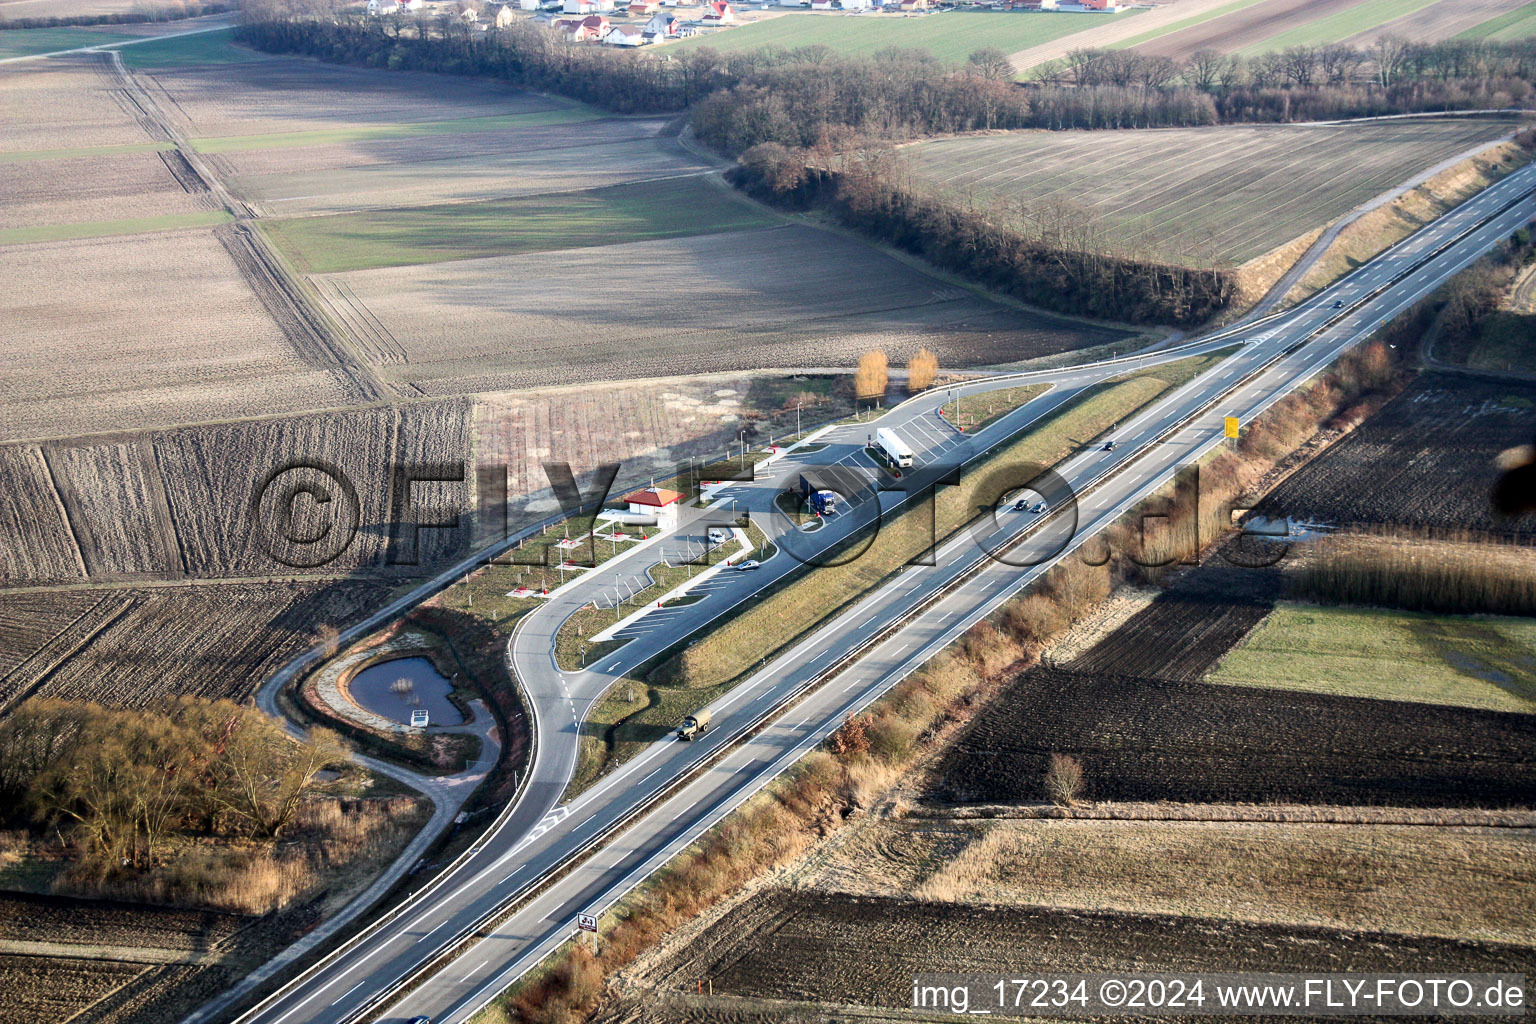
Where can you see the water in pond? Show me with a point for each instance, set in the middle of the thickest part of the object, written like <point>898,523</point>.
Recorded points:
<point>396,688</point>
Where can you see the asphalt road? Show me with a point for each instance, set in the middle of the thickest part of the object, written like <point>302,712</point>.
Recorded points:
<point>541,836</point>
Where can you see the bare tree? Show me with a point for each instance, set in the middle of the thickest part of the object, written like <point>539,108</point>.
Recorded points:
<point>1206,68</point>
<point>1064,780</point>
<point>990,63</point>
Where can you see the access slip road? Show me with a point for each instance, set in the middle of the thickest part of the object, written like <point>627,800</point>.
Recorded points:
<point>449,943</point>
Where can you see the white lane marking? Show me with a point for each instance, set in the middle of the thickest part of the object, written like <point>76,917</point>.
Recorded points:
<point>653,773</point>
<point>472,971</point>
<point>504,881</point>
<point>349,991</point>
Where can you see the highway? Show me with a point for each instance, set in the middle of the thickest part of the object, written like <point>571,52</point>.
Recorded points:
<point>892,631</point>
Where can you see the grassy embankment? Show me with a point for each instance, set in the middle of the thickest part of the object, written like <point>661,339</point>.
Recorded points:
<point>976,413</point>
<point>500,227</point>
<point>1392,655</point>
<point>951,36</point>
<point>1395,221</point>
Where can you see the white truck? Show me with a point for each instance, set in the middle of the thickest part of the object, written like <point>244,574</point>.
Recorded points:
<point>894,447</point>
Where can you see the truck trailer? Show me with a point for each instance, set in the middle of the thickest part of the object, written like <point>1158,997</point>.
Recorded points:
<point>894,447</point>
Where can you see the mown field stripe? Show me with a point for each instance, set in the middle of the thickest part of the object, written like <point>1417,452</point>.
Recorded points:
<point>1339,26</point>
<point>397,130</point>
<point>1178,26</point>
<point>1511,25</point>
<point>410,236</point>
<point>102,228</point>
<point>24,155</point>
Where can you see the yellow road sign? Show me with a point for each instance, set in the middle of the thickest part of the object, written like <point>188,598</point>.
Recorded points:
<point>1231,426</point>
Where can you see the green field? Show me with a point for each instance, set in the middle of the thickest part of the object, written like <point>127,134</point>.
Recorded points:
<point>1178,26</point>
<point>1337,27</point>
<point>216,47</point>
<point>501,227</point>
<point>951,37</point>
<point>24,42</point>
<point>103,228</point>
<point>367,132</point>
<point>1508,27</point>
<point>1481,662</point>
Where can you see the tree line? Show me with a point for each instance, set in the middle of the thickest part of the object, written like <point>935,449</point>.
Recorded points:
<point>1055,256</point>
<point>796,97</point>
<point>123,782</point>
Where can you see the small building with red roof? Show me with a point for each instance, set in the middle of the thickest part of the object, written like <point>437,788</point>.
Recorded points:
<point>658,502</point>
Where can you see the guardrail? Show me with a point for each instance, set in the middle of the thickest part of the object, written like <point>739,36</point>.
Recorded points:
<point>746,731</point>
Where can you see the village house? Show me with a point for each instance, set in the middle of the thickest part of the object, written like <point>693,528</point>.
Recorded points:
<point>504,16</point>
<point>643,8</point>
<point>626,35</point>
<point>720,11</point>
<point>665,26</point>
<point>914,5</point>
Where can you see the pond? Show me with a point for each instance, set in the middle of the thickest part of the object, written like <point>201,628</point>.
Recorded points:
<point>399,686</point>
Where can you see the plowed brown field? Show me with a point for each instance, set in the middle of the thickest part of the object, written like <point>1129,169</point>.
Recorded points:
<point>1151,739</point>
<point>1425,460</point>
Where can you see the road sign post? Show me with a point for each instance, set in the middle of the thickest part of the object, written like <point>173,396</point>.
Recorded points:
<point>587,923</point>
<point>1232,429</point>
